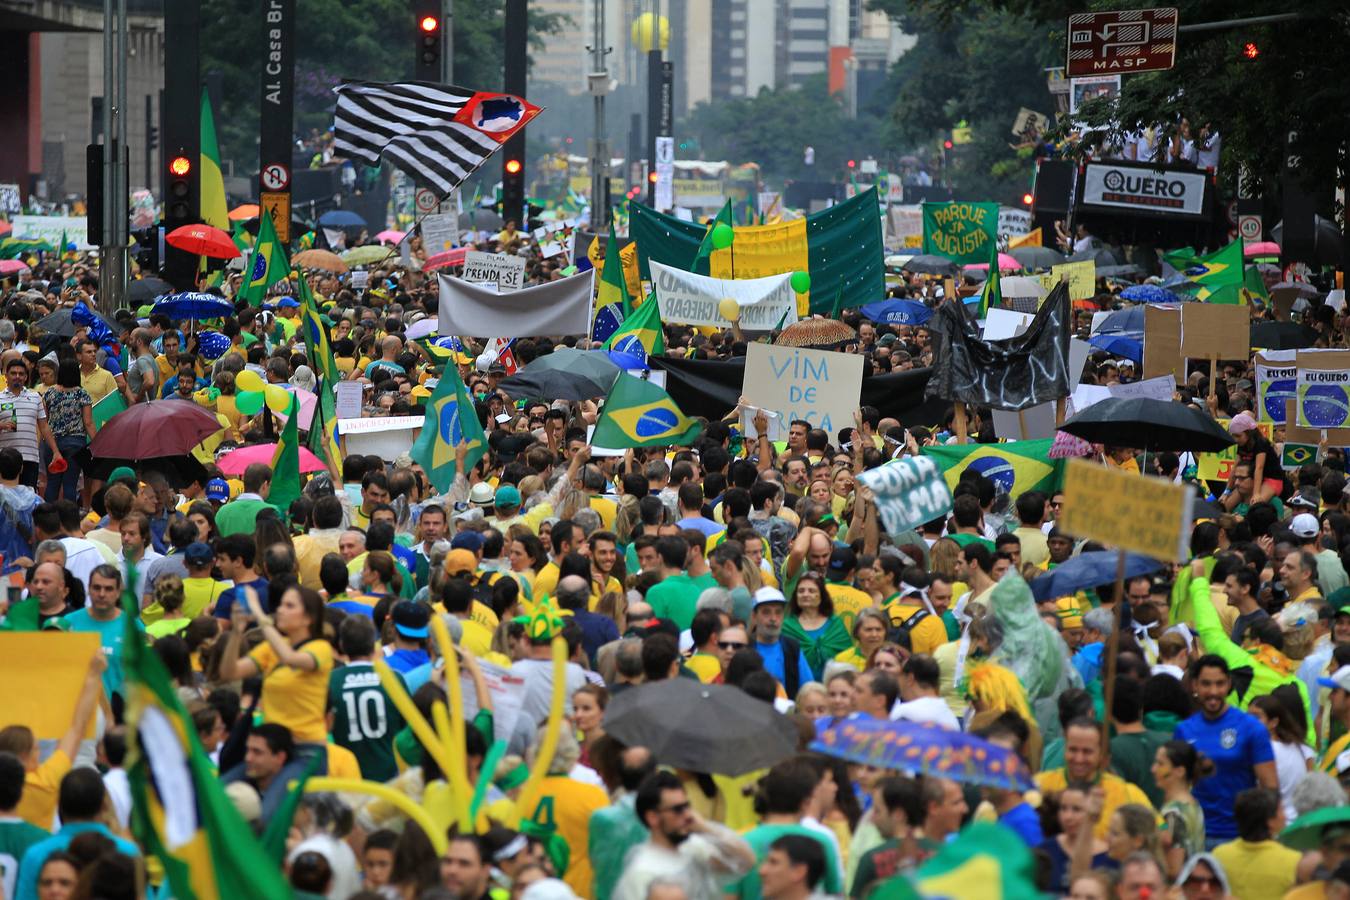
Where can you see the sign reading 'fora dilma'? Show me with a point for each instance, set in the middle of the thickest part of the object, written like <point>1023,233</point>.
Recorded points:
<point>1144,189</point>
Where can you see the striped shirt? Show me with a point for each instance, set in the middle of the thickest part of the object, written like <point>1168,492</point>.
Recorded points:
<point>25,409</point>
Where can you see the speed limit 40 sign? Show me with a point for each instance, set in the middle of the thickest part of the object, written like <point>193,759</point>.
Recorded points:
<point>1249,227</point>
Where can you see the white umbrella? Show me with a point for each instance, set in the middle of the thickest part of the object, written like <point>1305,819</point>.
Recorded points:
<point>1020,286</point>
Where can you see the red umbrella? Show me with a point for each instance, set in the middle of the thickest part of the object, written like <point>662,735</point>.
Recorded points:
<point>203,240</point>
<point>158,428</point>
<point>445,258</point>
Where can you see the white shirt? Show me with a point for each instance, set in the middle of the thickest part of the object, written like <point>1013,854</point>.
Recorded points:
<point>1291,766</point>
<point>142,567</point>
<point>82,557</point>
<point>931,710</point>
<point>25,409</point>
<point>119,790</point>
<point>702,863</point>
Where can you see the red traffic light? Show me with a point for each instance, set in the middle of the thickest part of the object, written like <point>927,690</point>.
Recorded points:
<point>512,166</point>
<point>1027,198</point>
<point>429,24</point>
<point>180,166</point>
<point>652,176</point>
<point>947,144</point>
<point>851,163</point>
<point>1251,50</point>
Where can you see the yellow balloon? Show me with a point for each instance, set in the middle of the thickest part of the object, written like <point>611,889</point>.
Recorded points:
<point>729,309</point>
<point>278,398</point>
<point>248,381</point>
<point>650,32</point>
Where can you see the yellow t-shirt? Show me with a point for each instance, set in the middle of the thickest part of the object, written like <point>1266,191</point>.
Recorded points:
<point>546,582</point>
<point>612,586</point>
<point>37,805</point>
<point>342,763</point>
<point>1339,746</point>
<point>476,637</point>
<point>848,602</point>
<point>565,806</point>
<point>294,698</point>
<point>1258,869</point>
<point>607,510</point>
<point>927,635</point>
<point>98,383</point>
<point>1118,792</point>
<point>705,666</point>
<point>853,658</point>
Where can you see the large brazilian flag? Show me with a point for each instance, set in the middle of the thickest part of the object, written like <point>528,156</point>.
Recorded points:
<point>1017,466</point>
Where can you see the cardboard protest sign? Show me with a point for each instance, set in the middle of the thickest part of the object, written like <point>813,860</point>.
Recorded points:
<point>816,386</point>
<point>440,232</point>
<point>962,232</point>
<point>1081,275</point>
<point>908,492</point>
<point>758,303</point>
<point>502,269</point>
<point>1213,331</point>
<point>43,672</point>
<point>1162,343</point>
<point>1323,388</point>
<point>1274,385</point>
<point>1138,513</point>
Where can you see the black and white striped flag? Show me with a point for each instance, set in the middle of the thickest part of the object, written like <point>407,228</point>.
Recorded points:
<point>436,132</point>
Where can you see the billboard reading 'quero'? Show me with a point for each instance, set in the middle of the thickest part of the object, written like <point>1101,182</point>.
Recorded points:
<point>1144,189</point>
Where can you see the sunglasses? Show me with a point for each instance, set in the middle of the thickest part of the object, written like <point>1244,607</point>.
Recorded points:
<point>732,645</point>
<point>679,808</point>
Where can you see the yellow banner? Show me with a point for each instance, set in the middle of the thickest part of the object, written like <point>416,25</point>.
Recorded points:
<point>1127,511</point>
<point>43,672</point>
<point>1030,239</point>
<point>1082,278</point>
<point>628,256</point>
<point>1216,466</point>
<point>762,250</point>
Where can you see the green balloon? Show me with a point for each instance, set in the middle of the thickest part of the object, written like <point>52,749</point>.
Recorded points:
<point>800,281</point>
<point>249,402</point>
<point>722,235</point>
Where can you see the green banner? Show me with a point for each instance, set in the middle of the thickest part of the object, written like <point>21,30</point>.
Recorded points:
<point>962,232</point>
<point>108,407</point>
<point>842,249</point>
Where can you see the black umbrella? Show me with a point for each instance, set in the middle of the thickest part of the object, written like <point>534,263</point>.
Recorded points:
<point>564,374</point>
<point>927,264</point>
<point>59,323</point>
<point>1102,256</point>
<point>1088,570</point>
<point>1037,257</point>
<point>1155,425</point>
<point>144,290</point>
<point>708,728</point>
<point>1282,336</point>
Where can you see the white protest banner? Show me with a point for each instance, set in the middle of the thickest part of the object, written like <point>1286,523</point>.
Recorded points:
<point>502,269</point>
<point>555,238</point>
<point>699,300</point>
<point>1011,223</point>
<point>906,224</point>
<point>1160,387</point>
<point>908,492</point>
<point>817,386</point>
<point>360,280</point>
<point>768,202</point>
<point>507,692</point>
<point>775,431</point>
<point>51,229</point>
<point>440,232</point>
<point>1001,324</point>
<point>387,438</point>
<point>348,394</point>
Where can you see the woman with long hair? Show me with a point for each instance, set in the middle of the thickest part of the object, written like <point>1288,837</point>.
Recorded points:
<point>1293,758</point>
<point>380,577</point>
<point>1176,766</point>
<point>202,514</point>
<point>811,622</point>
<point>588,715</point>
<point>1069,809</point>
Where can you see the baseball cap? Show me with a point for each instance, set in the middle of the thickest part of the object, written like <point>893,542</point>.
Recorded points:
<point>199,553</point>
<point>1308,498</point>
<point>1304,525</point>
<point>768,594</point>
<point>1339,679</point>
<point>460,560</point>
<point>288,302</point>
<point>481,494</point>
<point>411,618</point>
<point>508,495</point>
<point>467,540</point>
<point>1339,600</point>
<point>218,489</point>
<point>122,472</point>
<point>842,560</point>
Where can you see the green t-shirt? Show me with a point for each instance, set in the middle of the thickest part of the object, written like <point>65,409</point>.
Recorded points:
<point>882,861</point>
<point>1132,759</point>
<point>16,836</point>
<point>676,597</point>
<point>240,516</point>
<point>759,839</point>
<point>365,720</point>
<point>965,540</point>
<point>111,634</point>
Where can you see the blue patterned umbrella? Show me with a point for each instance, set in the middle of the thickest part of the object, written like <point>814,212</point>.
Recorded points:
<point>1148,293</point>
<point>212,344</point>
<point>1123,320</point>
<point>897,312</point>
<point>194,305</point>
<point>925,749</point>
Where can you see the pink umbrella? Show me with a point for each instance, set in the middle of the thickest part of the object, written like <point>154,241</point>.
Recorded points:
<point>308,400</point>
<point>1005,264</point>
<point>13,267</point>
<point>454,257</point>
<point>390,236</point>
<point>1261,248</point>
<point>236,461</point>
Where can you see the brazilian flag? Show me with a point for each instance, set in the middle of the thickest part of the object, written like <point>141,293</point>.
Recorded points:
<point>179,811</point>
<point>450,420</point>
<point>286,461</point>
<point>638,413</point>
<point>1017,466</point>
<point>1296,456</point>
<point>1210,275</point>
<point>640,334</point>
<point>991,295</point>
<point>986,860</point>
<point>266,266</point>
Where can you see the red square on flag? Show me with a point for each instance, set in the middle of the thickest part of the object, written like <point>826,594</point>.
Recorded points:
<point>497,115</point>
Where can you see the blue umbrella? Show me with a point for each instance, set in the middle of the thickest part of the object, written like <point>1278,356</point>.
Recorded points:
<point>194,305</point>
<point>341,218</point>
<point>925,749</point>
<point>1087,570</point>
<point>212,344</point>
<point>1128,320</point>
<point>1148,293</point>
<point>1121,345</point>
<point>897,312</point>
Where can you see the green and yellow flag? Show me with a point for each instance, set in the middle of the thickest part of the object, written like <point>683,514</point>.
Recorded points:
<point>1017,466</point>
<point>638,413</point>
<point>1210,274</point>
<point>640,334</point>
<point>613,289</point>
<point>179,811</point>
<point>266,266</point>
<point>705,247</point>
<point>992,292</point>
<point>986,860</point>
<point>214,209</point>
<point>451,419</point>
<point>323,429</point>
<point>286,461</point>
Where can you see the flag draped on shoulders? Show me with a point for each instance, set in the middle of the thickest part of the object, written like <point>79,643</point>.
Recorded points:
<point>450,420</point>
<point>266,266</point>
<point>179,811</point>
<point>638,413</point>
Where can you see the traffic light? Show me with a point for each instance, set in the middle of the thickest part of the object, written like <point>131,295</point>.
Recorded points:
<point>151,137</point>
<point>947,144</point>
<point>181,191</point>
<point>513,191</point>
<point>851,163</point>
<point>1251,50</point>
<point>1027,198</point>
<point>427,17</point>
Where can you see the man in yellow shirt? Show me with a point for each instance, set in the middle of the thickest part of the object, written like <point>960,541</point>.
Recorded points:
<point>564,538</point>
<point>37,806</point>
<point>848,601</point>
<point>905,608</point>
<point>1083,768</point>
<point>97,381</point>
